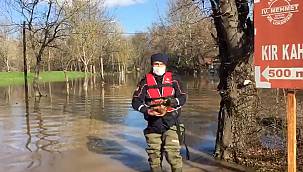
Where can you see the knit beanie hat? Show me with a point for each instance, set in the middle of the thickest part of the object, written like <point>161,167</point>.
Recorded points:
<point>159,57</point>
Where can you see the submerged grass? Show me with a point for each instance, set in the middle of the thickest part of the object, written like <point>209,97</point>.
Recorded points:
<point>17,78</point>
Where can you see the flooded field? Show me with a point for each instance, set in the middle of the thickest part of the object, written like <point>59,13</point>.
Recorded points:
<point>91,127</point>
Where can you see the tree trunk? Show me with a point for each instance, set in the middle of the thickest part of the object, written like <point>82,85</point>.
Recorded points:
<point>113,65</point>
<point>94,69</point>
<point>101,68</point>
<point>91,68</point>
<point>66,81</point>
<point>79,66</point>
<point>119,66</point>
<point>7,65</point>
<point>48,60</point>
<point>36,78</point>
<point>236,119</point>
<point>85,68</point>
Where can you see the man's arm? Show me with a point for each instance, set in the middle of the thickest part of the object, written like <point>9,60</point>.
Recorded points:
<point>180,95</point>
<point>138,101</point>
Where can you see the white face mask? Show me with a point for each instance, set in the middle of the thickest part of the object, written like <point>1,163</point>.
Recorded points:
<point>159,70</point>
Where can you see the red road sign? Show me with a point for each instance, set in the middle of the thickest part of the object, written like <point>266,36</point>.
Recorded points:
<point>278,43</point>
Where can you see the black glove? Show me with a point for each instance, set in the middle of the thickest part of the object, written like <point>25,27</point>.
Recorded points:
<point>171,102</point>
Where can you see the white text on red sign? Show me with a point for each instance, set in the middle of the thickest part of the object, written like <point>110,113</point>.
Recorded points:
<point>283,73</point>
<point>289,52</point>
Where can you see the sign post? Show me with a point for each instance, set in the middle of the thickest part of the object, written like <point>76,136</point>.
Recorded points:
<point>291,128</point>
<point>278,55</point>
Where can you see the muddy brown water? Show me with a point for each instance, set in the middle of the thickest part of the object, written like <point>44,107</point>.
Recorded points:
<point>91,127</point>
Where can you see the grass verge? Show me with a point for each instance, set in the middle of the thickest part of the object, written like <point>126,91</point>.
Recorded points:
<point>17,78</point>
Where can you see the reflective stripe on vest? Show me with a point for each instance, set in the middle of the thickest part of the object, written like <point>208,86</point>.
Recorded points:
<point>167,88</point>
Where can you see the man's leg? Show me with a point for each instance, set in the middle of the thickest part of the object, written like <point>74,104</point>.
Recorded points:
<point>154,142</point>
<point>172,149</point>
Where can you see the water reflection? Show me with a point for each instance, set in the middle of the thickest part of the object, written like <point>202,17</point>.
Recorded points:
<point>94,123</point>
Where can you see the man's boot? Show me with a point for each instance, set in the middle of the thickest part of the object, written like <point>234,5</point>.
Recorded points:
<point>177,170</point>
<point>156,169</point>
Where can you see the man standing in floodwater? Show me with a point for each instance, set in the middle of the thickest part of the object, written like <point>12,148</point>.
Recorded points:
<point>160,96</point>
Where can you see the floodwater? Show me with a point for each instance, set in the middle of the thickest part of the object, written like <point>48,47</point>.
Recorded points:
<point>91,127</point>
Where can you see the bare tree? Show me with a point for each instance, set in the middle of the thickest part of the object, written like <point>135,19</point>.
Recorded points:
<point>65,34</point>
<point>138,45</point>
<point>185,34</point>
<point>4,60</point>
<point>237,122</point>
<point>46,22</point>
<point>8,50</point>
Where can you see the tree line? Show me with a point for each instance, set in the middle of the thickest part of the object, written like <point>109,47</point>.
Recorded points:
<point>82,36</point>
